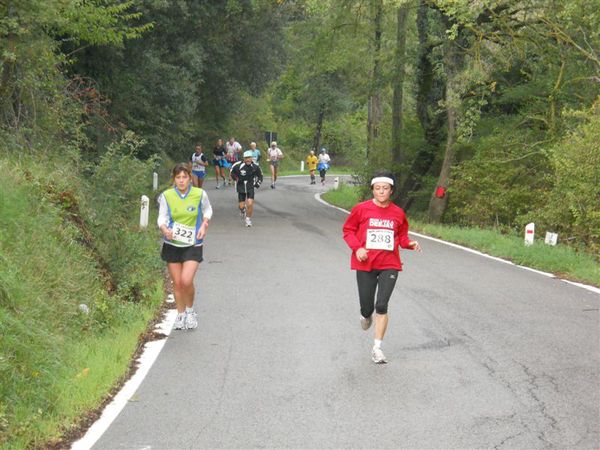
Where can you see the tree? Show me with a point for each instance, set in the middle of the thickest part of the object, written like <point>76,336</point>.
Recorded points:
<point>453,65</point>
<point>375,112</point>
<point>430,90</point>
<point>31,82</point>
<point>182,82</point>
<point>398,84</point>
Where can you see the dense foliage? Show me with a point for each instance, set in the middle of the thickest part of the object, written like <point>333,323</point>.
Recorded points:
<point>496,97</point>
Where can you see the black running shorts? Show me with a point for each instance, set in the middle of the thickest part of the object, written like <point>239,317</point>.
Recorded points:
<point>242,196</point>
<point>172,254</point>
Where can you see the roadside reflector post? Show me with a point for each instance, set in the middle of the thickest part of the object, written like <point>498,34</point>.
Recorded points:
<point>529,233</point>
<point>144,210</point>
<point>551,238</point>
<point>301,166</point>
<point>154,181</point>
<point>336,182</point>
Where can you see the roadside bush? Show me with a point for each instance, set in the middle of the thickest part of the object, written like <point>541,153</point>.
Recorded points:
<point>113,193</point>
<point>573,205</point>
<point>503,180</point>
<point>62,238</point>
<point>44,275</point>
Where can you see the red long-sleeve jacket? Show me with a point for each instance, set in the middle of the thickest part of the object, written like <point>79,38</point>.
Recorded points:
<point>381,231</point>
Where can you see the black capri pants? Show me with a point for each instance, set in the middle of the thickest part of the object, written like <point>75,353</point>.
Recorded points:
<point>381,280</point>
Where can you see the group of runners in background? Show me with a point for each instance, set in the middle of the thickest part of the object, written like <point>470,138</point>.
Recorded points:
<point>226,155</point>
<point>374,230</point>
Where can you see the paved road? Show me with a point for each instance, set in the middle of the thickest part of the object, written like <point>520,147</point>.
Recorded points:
<point>482,354</point>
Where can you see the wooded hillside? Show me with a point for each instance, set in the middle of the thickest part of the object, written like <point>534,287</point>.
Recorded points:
<point>492,104</point>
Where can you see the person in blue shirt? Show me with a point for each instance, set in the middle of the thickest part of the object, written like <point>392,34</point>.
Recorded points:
<point>255,153</point>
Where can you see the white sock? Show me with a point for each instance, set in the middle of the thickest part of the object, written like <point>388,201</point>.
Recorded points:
<point>377,343</point>
<point>189,310</point>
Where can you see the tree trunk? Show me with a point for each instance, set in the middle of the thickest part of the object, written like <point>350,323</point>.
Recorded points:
<point>430,91</point>
<point>317,138</point>
<point>8,63</point>
<point>397,119</point>
<point>453,62</point>
<point>374,107</point>
<point>439,200</point>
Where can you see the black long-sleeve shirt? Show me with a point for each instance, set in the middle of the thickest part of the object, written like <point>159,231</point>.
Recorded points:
<point>246,176</point>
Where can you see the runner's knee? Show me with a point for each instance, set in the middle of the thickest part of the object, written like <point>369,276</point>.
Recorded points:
<point>382,307</point>
<point>367,310</point>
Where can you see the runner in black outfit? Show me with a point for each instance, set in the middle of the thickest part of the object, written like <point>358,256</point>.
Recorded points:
<point>247,176</point>
<point>219,161</point>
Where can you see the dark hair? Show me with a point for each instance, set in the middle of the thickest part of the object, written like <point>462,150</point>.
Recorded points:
<point>181,167</point>
<point>387,174</point>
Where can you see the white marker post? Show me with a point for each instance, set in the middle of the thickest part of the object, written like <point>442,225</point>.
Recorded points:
<point>301,166</point>
<point>551,238</point>
<point>336,183</point>
<point>144,210</point>
<point>154,181</point>
<point>529,233</point>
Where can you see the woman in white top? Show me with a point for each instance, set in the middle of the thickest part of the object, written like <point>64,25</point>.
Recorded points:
<point>199,164</point>
<point>274,155</point>
<point>184,213</point>
<point>323,165</point>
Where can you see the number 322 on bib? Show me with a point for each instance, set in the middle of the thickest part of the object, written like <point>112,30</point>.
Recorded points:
<point>184,233</point>
<point>378,239</point>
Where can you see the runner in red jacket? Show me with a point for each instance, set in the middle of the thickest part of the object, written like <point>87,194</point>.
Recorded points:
<point>374,231</point>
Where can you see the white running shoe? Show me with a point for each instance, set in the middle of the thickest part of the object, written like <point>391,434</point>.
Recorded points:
<point>179,322</point>
<point>365,322</point>
<point>248,222</point>
<point>191,320</point>
<point>377,356</point>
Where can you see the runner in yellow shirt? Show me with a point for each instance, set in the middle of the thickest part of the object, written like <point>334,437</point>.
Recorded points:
<point>311,164</point>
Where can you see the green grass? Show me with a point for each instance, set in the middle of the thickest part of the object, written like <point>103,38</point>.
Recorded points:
<point>292,167</point>
<point>345,196</point>
<point>46,342</point>
<point>86,370</point>
<point>560,260</point>
<point>331,173</point>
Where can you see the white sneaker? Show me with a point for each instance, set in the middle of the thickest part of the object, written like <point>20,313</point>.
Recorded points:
<point>179,322</point>
<point>191,320</point>
<point>365,322</point>
<point>248,222</point>
<point>377,356</point>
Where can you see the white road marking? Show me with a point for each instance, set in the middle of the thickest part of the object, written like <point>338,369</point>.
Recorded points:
<point>112,410</point>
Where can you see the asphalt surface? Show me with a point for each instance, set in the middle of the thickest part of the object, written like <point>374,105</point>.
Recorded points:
<point>481,354</point>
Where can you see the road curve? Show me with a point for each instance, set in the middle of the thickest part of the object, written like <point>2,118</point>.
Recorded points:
<point>482,354</point>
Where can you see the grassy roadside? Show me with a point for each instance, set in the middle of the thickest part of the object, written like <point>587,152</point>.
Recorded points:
<point>561,260</point>
<point>332,173</point>
<point>89,367</point>
<point>57,251</point>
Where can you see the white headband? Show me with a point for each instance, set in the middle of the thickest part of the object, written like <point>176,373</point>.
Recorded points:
<point>382,180</point>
